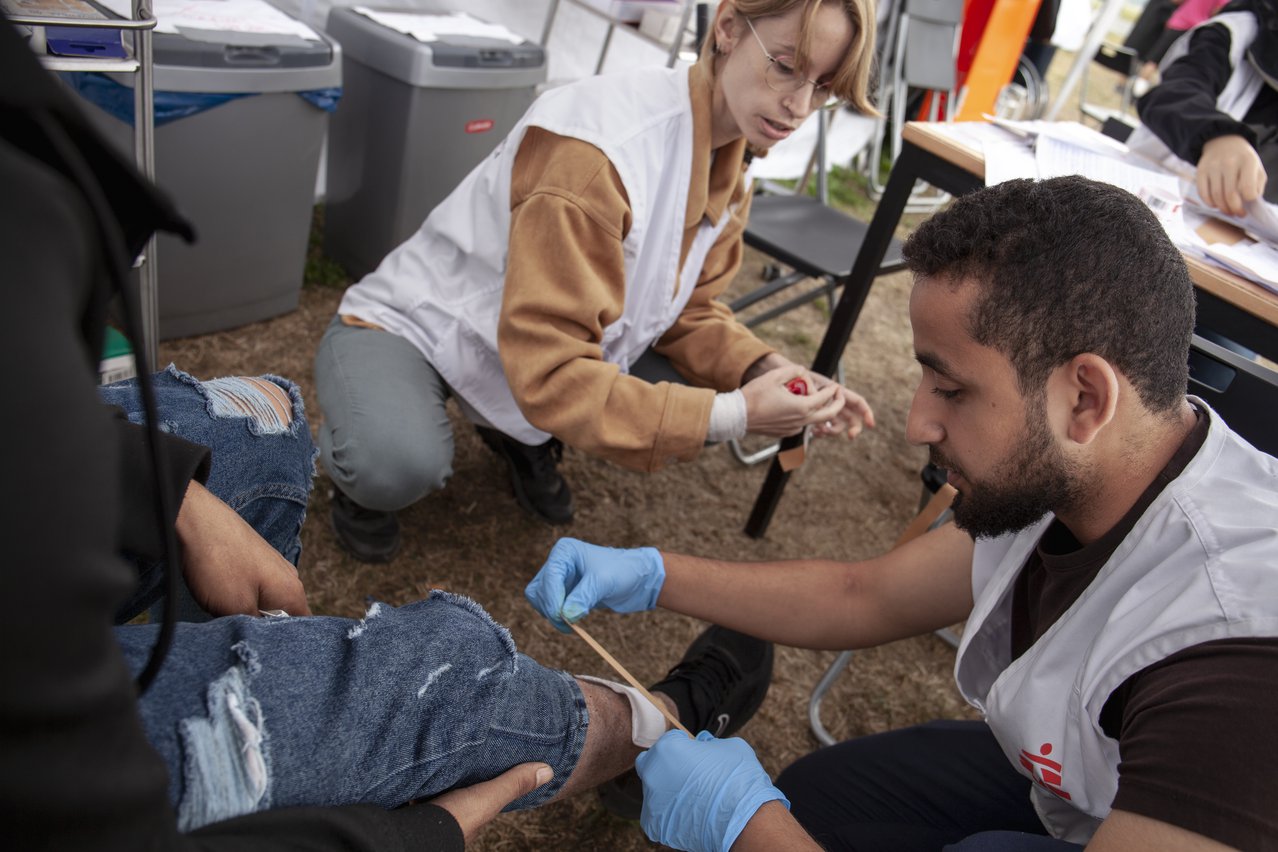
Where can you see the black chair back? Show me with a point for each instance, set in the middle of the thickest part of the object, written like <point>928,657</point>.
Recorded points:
<point>1242,391</point>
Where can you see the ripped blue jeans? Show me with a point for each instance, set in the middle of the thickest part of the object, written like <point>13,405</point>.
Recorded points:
<point>258,713</point>
<point>261,466</point>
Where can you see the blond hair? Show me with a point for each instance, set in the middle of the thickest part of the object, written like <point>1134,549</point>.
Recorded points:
<point>851,80</point>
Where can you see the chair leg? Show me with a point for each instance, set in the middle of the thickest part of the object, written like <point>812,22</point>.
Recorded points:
<point>826,287</point>
<point>935,513</point>
<point>755,457</point>
<point>823,686</point>
<point>776,283</point>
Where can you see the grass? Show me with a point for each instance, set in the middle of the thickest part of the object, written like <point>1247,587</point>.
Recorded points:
<point>321,272</point>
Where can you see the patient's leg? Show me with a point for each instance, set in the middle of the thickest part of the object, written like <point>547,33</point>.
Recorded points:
<point>402,705</point>
<point>263,460</point>
<point>609,748</point>
<point>258,713</point>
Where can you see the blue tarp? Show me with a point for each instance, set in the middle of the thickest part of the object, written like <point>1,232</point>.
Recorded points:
<point>117,99</point>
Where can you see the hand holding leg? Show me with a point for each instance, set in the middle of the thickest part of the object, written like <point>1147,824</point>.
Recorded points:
<point>474,807</point>
<point>229,568</point>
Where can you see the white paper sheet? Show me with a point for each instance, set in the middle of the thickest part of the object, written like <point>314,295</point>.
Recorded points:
<point>1056,158</point>
<point>428,28</point>
<point>232,16</point>
<point>1254,261</point>
<point>1007,160</point>
<point>1069,148</point>
<point>1260,222</point>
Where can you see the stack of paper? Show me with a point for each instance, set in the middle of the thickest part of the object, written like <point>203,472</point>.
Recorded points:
<point>1249,259</point>
<point>1035,149</point>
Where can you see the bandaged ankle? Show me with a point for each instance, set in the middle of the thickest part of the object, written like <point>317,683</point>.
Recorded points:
<point>646,722</point>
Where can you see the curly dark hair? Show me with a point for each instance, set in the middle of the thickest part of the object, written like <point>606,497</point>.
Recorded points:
<point>1067,266</point>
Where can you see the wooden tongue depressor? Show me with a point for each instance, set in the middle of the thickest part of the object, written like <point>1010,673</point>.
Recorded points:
<point>923,521</point>
<point>793,458</point>
<point>630,679</point>
<point>940,501</point>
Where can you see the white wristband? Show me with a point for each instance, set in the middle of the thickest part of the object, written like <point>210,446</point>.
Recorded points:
<point>727,417</point>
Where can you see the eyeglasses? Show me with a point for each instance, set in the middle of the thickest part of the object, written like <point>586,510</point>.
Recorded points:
<point>781,77</point>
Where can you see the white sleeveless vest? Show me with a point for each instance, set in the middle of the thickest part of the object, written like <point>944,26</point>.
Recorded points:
<point>1234,100</point>
<point>1201,564</point>
<point>442,289</point>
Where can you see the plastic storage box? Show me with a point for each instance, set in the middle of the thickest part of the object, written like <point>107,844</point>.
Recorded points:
<point>240,123</point>
<point>416,117</point>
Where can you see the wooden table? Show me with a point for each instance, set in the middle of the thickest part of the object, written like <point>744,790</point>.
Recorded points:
<point>1240,310</point>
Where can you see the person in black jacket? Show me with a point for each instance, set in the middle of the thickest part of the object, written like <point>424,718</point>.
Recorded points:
<point>1216,107</point>
<point>103,744</point>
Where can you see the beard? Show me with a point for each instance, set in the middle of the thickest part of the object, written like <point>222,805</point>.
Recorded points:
<point>1035,479</point>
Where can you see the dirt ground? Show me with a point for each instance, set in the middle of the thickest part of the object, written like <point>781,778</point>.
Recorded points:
<point>849,501</point>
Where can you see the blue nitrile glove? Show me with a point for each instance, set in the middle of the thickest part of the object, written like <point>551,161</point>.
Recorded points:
<point>578,576</point>
<point>699,794</point>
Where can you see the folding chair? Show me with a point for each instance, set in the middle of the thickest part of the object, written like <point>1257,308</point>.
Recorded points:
<point>918,52</point>
<point>812,238</point>
<point>1126,63</point>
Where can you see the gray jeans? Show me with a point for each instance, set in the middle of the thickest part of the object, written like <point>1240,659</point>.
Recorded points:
<point>385,439</point>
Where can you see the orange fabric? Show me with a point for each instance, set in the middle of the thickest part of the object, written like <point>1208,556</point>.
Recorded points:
<point>1000,49</point>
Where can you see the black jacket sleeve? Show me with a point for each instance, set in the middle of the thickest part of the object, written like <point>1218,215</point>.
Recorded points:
<point>1181,110</point>
<point>76,771</point>
<point>139,535</point>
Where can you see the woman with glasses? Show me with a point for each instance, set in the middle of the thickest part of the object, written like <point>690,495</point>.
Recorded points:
<point>607,223</point>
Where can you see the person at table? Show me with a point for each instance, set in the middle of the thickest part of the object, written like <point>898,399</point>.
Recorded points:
<point>1214,115</point>
<point>1114,555</point>
<point>608,222</point>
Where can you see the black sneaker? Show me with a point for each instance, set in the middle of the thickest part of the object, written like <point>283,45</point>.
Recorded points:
<point>717,686</point>
<point>366,534</point>
<point>534,473</point>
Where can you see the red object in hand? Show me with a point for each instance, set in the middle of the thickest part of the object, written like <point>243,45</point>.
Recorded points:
<point>798,387</point>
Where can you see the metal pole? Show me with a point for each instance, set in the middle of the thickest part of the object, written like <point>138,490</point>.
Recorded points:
<point>1100,28</point>
<point>144,146</point>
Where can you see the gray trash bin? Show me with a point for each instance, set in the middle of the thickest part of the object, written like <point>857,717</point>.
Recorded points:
<point>243,170</point>
<point>416,117</point>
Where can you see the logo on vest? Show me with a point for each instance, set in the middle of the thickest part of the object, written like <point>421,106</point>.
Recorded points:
<point>1044,771</point>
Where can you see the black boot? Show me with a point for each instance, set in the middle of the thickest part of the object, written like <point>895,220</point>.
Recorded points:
<point>717,686</point>
<point>534,474</point>
<point>366,534</point>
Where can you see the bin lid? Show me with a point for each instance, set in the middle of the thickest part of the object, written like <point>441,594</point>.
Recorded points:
<point>235,46</point>
<point>437,50</point>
